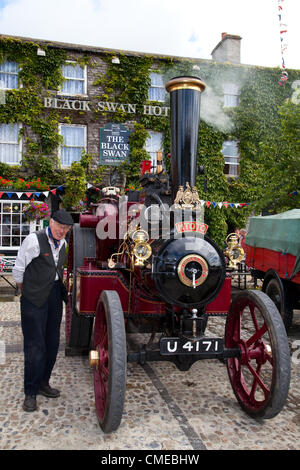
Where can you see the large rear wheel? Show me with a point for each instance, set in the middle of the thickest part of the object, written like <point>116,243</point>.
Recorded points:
<point>110,362</point>
<point>260,376</point>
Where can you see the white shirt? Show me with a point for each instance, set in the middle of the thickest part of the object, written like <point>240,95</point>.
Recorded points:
<point>29,250</point>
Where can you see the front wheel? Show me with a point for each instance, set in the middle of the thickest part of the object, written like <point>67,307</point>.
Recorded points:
<point>260,376</point>
<point>110,367</point>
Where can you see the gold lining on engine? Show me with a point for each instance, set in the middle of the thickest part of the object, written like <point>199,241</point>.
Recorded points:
<point>181,270</point>
<point>183,83</point>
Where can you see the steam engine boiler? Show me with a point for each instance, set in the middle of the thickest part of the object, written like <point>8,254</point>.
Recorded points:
<point>147,266</point>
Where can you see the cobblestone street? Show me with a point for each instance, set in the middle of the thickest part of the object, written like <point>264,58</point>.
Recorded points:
<point>165,409</point>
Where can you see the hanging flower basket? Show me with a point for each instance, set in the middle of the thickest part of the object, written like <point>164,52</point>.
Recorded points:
<point>36,210</point>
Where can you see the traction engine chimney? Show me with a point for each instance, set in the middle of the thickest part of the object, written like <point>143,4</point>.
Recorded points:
<point>185,94</point>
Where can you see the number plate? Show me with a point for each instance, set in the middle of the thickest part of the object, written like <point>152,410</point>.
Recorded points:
<point>209,346</point>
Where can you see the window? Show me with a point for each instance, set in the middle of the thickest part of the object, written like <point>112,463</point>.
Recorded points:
<point>231,154</point>
<point>231,95</point>
<point>10,147</point>
<point>157,89</point>
<point>75,79</point>
<point>74,143</point>
<point>9,75</point>
<point>13,227</point>
<point>153,145</point>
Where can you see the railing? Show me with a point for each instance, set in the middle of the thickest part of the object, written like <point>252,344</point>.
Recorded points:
<point>6,265</point>
<point>243,277</point>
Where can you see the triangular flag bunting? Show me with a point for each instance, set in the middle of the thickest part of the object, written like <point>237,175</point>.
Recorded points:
<point>28,194</point>
<point>53,191</point>
<point>9,195</point>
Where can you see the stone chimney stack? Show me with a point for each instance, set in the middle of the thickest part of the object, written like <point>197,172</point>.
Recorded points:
<point>228,49</point>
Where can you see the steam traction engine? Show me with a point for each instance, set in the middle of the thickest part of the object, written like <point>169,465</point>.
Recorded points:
<point>147,266</point>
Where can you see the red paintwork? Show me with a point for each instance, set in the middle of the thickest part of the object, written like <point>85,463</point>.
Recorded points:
<point>95,277</point>
<point>264,259</point>
<point>221,303</point>
<point>94,281</point>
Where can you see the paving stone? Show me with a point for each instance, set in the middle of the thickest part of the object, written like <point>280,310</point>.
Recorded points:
<point>177,411</point>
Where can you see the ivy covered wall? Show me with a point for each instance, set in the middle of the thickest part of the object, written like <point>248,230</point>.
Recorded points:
<point>264,123</point>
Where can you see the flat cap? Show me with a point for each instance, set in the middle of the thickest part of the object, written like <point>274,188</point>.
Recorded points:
<point>62,217</point>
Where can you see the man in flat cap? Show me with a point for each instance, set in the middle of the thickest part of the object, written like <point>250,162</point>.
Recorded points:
<point>38,272</point>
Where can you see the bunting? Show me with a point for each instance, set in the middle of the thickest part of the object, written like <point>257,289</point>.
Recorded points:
<point>283,41</point>
<point>226,204</point>
<point>35,194</point>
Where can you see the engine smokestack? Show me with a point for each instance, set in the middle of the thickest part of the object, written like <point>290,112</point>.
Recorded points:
<point>185,94</point>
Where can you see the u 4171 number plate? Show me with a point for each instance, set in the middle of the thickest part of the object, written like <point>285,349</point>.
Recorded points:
<point>203,346</point>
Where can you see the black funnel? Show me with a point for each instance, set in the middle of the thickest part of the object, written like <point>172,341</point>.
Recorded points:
<point>185,94</point>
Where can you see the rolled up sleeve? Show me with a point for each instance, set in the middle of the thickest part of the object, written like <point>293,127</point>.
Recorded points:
<point>28,251</point>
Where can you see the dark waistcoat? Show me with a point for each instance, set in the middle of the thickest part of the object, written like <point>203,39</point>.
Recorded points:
<point>40,273</point>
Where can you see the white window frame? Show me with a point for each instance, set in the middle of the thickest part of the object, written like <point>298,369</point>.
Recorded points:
<point>75,146</point>
<point>4,225</point>
<point>84,80</point>
<point>231,95</point>
<point>161,87</point>
<point>232,160</point>
<point>153,149</point>
<point>10,73</point>
<point>19,143</point>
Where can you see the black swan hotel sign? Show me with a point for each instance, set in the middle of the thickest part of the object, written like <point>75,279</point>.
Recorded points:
<point>113,141</point>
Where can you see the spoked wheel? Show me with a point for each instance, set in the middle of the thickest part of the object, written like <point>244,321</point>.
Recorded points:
<point>260,376</point>
<point>274,288</point>
<point>110,362</point>
<point>78,329</point>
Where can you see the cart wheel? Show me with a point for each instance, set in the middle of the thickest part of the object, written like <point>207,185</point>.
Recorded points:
<point>77,329</point>
<point>260,376</point>
<point>110,370</point>
<point>275,290</point>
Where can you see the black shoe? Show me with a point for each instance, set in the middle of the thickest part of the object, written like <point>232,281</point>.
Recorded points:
<point>48,391</point>
<point>29,403</point>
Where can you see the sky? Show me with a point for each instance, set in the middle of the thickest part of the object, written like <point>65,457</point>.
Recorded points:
<point>185,28</point>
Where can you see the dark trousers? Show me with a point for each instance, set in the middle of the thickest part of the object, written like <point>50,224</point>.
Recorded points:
<point>41,331</point>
